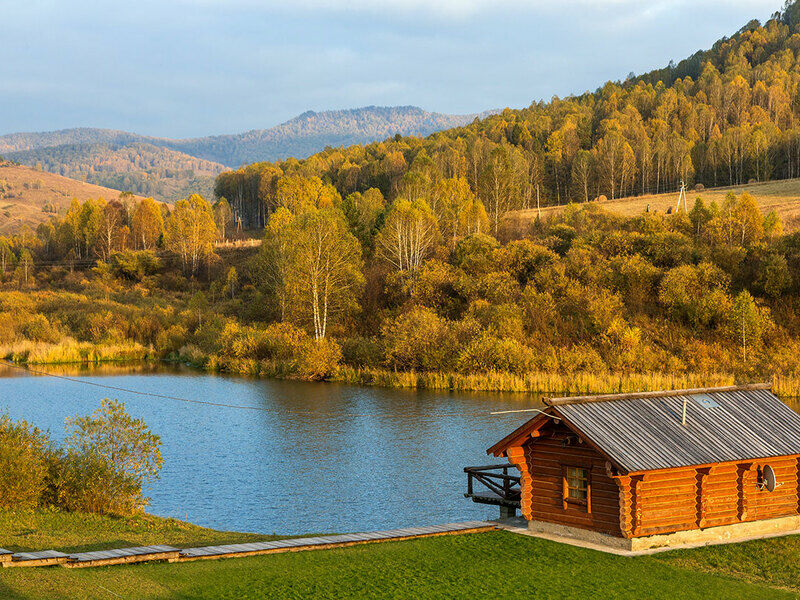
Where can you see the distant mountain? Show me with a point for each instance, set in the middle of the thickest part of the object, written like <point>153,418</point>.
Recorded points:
<point>313,131</point>
<point>168,169</point>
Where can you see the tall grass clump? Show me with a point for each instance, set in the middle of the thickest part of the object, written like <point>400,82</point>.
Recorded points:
<point>534,382</point>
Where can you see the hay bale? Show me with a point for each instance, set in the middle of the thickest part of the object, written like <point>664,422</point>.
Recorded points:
<point>699,187</point>
<point>600,198</point>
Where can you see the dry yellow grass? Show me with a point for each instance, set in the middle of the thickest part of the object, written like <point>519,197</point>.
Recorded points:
<point>781,196</point>
<point>24,193</point>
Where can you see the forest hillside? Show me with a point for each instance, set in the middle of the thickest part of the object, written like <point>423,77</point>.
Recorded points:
<point>727,116</point>
<point>29,197</point>
<point>388,263</point>
<point>170,169</point>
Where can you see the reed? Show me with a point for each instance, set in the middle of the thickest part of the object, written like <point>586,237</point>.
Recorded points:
<point>538,382</point>
<point>786,386</point>
<point>534,382</point>
<point>71,351</point>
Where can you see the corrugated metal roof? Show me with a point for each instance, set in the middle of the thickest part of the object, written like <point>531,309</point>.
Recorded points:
<point>643,434</point>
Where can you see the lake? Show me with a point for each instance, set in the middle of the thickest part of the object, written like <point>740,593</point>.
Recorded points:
<point>318,457</point>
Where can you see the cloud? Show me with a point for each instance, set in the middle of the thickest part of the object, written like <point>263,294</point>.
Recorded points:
<point>462,9</point>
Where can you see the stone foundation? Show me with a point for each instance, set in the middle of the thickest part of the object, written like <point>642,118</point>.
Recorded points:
<point>723,534</point>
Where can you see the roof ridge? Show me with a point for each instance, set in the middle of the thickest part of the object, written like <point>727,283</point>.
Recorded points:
<point>657,394</point>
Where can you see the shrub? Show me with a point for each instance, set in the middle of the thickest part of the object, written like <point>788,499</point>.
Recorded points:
<point>490,353</point>
<point>110,456</point>
<point>696,294</point>
<point>172,339</point>
<point>419,339</point>
<point>87,483</point>
<point>39,329</point>
<point>134,266</point>
<point>318,359</point>
<point>282,341</point>
<point>362,352</point>
<point>26,454</point>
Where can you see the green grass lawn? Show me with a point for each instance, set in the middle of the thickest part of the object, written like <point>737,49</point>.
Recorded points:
<point>77,532</point>
<point>487,565</point>
<point>774,561</point>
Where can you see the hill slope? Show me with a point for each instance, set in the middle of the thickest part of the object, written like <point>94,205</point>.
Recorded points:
<point>169,169</point>
<point>782,196</point>
<point>29,197</point>
<point>139,167</point>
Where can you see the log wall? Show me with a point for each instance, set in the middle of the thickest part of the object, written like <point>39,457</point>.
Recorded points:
<point>649,503</point>
<point>666,501</point>
<point>541,461</point>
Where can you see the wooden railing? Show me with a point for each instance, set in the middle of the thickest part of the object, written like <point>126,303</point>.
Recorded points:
<point>495,485</point>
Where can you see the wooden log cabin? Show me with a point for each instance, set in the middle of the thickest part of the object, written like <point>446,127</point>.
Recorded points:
<point>660,468</point>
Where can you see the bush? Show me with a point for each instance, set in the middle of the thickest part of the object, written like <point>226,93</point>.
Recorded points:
<point>282,341</point>
<point>110,456</point>
<point>361,352</point>
<point>39,329</point>
<point>172,339</point>
<point>318,359</point>
<point>134,266</point>
<point>88,483</point>
<point>419,339</point>
<point>489,353</point>
<point>26,454</point>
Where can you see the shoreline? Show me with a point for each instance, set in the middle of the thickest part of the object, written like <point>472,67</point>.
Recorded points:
<point>533,382</point>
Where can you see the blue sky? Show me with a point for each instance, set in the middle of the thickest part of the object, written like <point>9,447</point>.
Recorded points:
<point>182,68</point>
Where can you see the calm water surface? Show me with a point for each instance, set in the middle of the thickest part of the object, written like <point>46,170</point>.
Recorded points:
<point>319,458</point>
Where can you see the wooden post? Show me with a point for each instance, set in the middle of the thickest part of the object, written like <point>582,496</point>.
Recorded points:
<point>702,495</point>
<point>743,481</point>
<point>624,485</point>
<point>637,490</point>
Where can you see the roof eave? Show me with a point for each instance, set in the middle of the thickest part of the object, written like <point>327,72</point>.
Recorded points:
<point>519,435</point>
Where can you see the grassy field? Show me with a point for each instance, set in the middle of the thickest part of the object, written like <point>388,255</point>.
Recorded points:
<point>24,192</point>
<point>488,565</point>
<point>781,196</point>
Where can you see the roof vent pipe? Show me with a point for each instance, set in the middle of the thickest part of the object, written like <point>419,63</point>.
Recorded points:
<point>683,419</point>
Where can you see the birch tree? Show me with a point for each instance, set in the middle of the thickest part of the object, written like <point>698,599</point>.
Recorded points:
<point>147,224</point>
<point>323,275</point>
<point>408,236</point>
<point>190,231</point>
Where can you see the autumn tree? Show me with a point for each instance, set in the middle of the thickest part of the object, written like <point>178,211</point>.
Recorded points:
<point>582,173</point>
<point>24,271</point>
<point>147,224</point>
<point>323,274</point>
<point>223,217</point>
<point>272,265</point>
<point>111,219</point>
<point>110,457</point>
<point>408,235</point>
<point>495,181</point>
<point>7,258</point>
<point>301,194</point>
<point>746,322</point>
<point>190,232</point>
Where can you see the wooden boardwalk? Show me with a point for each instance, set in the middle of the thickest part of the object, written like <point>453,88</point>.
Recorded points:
<point>168,553</point>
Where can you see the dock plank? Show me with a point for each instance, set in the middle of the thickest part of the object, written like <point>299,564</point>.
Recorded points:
<point>122,556</point>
